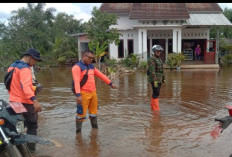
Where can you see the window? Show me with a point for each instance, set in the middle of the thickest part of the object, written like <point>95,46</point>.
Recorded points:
<point>130,45</point>
<point>120,49</point>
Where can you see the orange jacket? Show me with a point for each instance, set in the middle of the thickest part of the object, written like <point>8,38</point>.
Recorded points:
<point>21,89</point>
<point>79,70</point>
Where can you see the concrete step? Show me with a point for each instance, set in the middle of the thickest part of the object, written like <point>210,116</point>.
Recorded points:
<point>197,66</point>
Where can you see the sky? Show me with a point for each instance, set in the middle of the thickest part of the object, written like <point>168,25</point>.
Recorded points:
<point>78,10</point>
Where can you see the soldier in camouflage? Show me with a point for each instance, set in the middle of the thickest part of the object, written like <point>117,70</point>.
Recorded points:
<point>156,77</point>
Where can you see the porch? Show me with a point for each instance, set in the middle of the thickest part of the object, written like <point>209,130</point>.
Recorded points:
<point>196,65</point>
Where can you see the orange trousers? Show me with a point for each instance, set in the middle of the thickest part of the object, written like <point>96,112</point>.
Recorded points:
<point>89,102</point>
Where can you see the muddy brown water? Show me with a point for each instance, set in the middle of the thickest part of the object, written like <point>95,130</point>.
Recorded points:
<point>189,102</point>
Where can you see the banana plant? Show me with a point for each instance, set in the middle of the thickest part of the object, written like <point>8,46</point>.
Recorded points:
<point>99,50</point>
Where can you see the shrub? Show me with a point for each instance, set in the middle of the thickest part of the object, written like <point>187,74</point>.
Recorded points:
<point>110,62</point>
<point>143,65</point>
<point>175,59</point>
<point>61,60</point>
<point>131,61</point>
<point>227,60</point>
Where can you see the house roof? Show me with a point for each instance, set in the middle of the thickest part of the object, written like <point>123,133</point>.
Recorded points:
<point>118,8</point>
<point>203,7</point>
<point>208,20</point>
<point>159,10</point>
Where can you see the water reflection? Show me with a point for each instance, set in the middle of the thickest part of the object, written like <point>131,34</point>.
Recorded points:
<point>88,146</point>
<point>154,134</point>
<point>189,102</point>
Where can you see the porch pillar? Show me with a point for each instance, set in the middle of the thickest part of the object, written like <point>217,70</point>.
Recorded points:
<point>142,44</point>
<point>166,50</point>
<point>217,47</point>
<point>151,47</point>
<point>79,47</point>
<point>207,45</point>
<point>176,41</point>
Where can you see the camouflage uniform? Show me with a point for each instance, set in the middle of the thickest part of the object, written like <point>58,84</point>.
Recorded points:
<point>155,73</point>
<point>155,70</point>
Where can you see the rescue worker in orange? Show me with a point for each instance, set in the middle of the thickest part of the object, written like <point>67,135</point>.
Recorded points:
<point>86,96</point>
<point>22,90</point>
<point>156,76</point>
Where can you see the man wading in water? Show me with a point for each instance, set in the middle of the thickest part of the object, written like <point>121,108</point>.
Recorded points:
<point>83,74</point>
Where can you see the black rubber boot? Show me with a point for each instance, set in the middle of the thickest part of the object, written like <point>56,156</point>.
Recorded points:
<point>31,147</point>
<point>94,122</point>
<point>78,126</point>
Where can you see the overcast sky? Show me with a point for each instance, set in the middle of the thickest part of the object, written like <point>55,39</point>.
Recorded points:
<point>78,10</point>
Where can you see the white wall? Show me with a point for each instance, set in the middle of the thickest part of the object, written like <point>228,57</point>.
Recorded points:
<point>195,33</point>
<point>202,33</point>
<point>129,30</point>
<point>125,35</point>
<point>124,23</point>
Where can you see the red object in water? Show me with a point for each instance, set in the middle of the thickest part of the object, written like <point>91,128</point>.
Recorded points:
<point>216,131</point>
<point>229,109</point>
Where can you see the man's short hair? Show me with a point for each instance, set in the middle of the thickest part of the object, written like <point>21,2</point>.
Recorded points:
<point>86,52</point>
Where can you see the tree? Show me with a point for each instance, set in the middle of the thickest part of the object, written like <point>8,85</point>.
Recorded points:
<point>27,28</point>
<point>100,33</point>
<point>66,24</point>
<point>63,49</point>
<point>226,31</point>
<point>99,50</point>
<point>35,27</point>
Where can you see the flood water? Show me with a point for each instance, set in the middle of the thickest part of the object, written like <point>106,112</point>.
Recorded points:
<point>189,102</point>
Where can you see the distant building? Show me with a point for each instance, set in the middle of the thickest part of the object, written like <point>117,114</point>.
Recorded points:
<point>177,27</point>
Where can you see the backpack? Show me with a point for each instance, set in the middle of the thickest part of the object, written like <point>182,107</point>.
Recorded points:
<point>82,83</point>
<point>8,78</point>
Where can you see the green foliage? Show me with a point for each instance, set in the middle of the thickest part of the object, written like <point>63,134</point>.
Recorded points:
<point>110,62</point>
<point>226,31</point>
<point>110,70</point>
<point>228,48</point>
<point>61,60</point>
<point>6,58</point>
<point>99,32</point>
<point>131,61</point>
<point>35,27</point>
<point>175,59</point>
<point>63,49</point>
<point>98,27</point>
<point>227,60</point>
<point>143,65</point>
<point>98,49</point>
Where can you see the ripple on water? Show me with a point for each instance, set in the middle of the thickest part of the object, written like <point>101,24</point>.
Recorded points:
<point>189,102</point>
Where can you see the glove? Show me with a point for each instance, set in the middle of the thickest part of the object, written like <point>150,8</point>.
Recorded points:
<point>79,109</point>
<point>155,84</point>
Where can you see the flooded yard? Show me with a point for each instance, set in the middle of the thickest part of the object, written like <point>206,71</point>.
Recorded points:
<point>189,102</point>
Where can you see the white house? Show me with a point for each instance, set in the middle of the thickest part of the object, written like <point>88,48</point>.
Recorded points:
<point>177,27</point>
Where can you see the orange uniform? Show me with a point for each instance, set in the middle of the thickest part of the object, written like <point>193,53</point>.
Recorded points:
<point>88,91</point>
<point>21,89</point>
<point>79,70</point>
